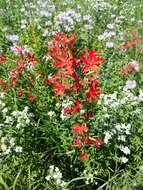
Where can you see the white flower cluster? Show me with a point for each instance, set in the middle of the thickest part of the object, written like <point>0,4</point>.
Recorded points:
<point>7,145</point>
<point>100,5</point>
<point>13,38</point>
<point>51,114</point>
<point>52,19</point>
<point>120,130</point>
<point>109,34</point>
<point>67,20</point>
<point>22,117</point>
<point>89,177</point>
<point>55,175</point>
<point>121,98</point>
<point>16,118</point>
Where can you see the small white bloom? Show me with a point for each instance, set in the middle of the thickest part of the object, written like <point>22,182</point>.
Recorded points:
<point>51,168</point>
<point>19,125</point>
<point>141,95</point>
<point>51,113</point>
<point>124,159</point>
<point>122,138</point>
<point>8,120</point>
<point>13,37</point>
<point>125,150</point>
<point>107,137</point>
<point>18,149</point>
<point>110,26</point>
<point>5,110</point>
<point>3,147</point>
<point>48,177</point>
<point>109,44</point>
<point>130,84</point>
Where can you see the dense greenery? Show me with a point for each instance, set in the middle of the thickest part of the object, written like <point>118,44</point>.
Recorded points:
<point>71,95</point>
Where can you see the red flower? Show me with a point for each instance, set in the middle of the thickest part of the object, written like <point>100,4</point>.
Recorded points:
<point>83,155</point>
<point>78,142</point>
<point>67,110</point>
<point>32,98</point>
<point>99,142</point>
<point>1,81</point>
<point>79,129</point>
<point>77,105</point>
<point>59,88</point>
<point>89,140</point>
<point>13,82</point>
<point>3,58</point>
<point>20,92</point>
<point>92,62</point>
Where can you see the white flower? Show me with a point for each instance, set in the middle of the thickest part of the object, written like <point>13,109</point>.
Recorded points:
<point>101,37</point>
<point>57,169</point>
<point>51,168</point>
<point>18,149</point>
<point>125,150</point>
<point>130,84</point>
<point>23,26</point>
<point>122,138</point>
<point>110,26</point>
<point>8,120</point>
<point>19,125</point>
<point>13,37</point>
<point>46,33</point>
<point>5,110</point>
<point>107,137</point>
<point>48,177</point>
<point>141,95</point>
<point>3,147</point>
<point>124,159</point>
<point>51,113</point>
<point>109,44</point>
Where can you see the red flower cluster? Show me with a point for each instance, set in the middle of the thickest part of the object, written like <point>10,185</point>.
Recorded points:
<point>135,40</point>
<point>76,75</point>
<point>82,139</point>
<point>75,72</point>
<point>25,61</point>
